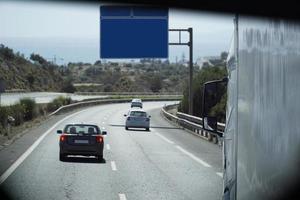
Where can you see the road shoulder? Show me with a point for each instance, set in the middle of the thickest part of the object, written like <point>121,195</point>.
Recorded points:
<point>12,149</point>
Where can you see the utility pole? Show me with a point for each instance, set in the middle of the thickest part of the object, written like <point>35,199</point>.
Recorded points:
<point>190,45</point>
<point>191,95</point>
<point>2,88</point>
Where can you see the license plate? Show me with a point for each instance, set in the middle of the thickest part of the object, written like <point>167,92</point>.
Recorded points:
<point>81,141</point>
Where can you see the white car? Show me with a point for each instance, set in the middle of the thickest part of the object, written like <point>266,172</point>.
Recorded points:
<point>136,103</point>
<point>137,118</point>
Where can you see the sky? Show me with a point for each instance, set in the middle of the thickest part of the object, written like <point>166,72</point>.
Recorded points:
<point>70,31</point>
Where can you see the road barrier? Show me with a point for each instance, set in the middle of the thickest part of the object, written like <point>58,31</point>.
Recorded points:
<point>131,93</point>
<point>192,123</point>
<point>104,101</point>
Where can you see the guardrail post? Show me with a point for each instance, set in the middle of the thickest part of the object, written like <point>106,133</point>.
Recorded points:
<point>190,123</point>
<point>209,137</point>
<point>215,139</point>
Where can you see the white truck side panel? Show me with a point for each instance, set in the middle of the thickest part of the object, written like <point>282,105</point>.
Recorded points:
<point>268,134</point>
<point>230,136</point>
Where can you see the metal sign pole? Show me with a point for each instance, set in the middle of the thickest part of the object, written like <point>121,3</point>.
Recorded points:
<point>191,69</point>
<point>2,88</point>
<point>191,95</point>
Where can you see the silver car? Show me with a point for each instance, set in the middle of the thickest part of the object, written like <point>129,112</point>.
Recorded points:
<point>137,118</point>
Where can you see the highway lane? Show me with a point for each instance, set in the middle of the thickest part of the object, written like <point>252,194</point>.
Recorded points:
<point>165,163</point>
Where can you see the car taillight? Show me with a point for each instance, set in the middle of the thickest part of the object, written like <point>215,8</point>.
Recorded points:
<point>99,138</point>
<point>63,138</point>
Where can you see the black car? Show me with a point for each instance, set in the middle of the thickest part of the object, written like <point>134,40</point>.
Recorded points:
<point>81,139</point>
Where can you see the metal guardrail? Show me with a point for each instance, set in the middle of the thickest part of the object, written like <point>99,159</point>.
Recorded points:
<point>130,93</point>
<point>192,123</point>
<point>198,120</point>
<point>103,101</point>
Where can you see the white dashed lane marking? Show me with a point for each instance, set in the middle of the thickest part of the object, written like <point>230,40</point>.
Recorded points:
<point>122,196</point>
<point>107,146</point>
<point>192,156</point>
<point>164,138</point>
<point>113,165</point>
<point>220,174</point>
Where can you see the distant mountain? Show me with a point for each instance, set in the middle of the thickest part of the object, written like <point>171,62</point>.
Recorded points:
<point>36,74</point>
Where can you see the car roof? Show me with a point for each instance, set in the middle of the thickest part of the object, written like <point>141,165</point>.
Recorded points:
<point>136,100</point>
<point>81,124</point>
<point>137,109</point>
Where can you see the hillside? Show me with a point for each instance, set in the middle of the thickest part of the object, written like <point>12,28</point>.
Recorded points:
<point>19,73</point>
<point>37,74</point>
<point>150,76</point>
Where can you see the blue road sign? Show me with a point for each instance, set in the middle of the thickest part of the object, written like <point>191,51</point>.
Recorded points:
<point>133,32</point>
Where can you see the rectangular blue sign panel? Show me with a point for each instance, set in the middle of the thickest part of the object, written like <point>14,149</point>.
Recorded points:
<point>133,32</point>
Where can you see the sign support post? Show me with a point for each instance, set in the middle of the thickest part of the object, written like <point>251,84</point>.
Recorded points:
<point>2,88</point>
<point>191,69</point>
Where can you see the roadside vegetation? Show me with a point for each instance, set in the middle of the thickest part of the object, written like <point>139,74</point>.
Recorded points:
<point>58,102</point>
<point>207,73</point>
<point>147,76</point>
<point>26,110</point>
<point>37,74</point>
<point>34,74</point>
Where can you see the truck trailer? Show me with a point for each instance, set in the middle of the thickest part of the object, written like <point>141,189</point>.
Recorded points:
<point>261,141</point>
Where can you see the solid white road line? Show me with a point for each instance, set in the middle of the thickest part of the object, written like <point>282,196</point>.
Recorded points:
<point>193,156</point>
<point>220,174</point>
<point>113,166</point>
<point>122,196</point>
<point>107,146</point>
<point>164,138</point>
<point>14,166</point>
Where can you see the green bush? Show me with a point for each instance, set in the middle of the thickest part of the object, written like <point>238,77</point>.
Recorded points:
<point>68,87</point>
<point>58,102</point>
<point>3,116</point>
<point>2,130</point>
<point>17,111</point>
<point>30,107</point>
<point>204,75</point>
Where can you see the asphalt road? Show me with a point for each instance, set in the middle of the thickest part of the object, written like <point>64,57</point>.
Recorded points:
<point>165,163</point>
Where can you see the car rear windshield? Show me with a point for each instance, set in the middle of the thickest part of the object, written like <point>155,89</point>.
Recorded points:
<point>138,114</point>
<point>136,100</point>
<point>82,129</point>
<point>136,103</point>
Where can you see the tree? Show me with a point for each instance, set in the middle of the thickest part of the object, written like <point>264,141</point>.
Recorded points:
<point>204,75</point>
<point>108,88</point>
<point>38,58</point>
<point>156,83</point>
<point>68,87</point>
<point>30,78</point>
<point>224,55</point>
<point>6,52</point>
<point>98,62</point>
